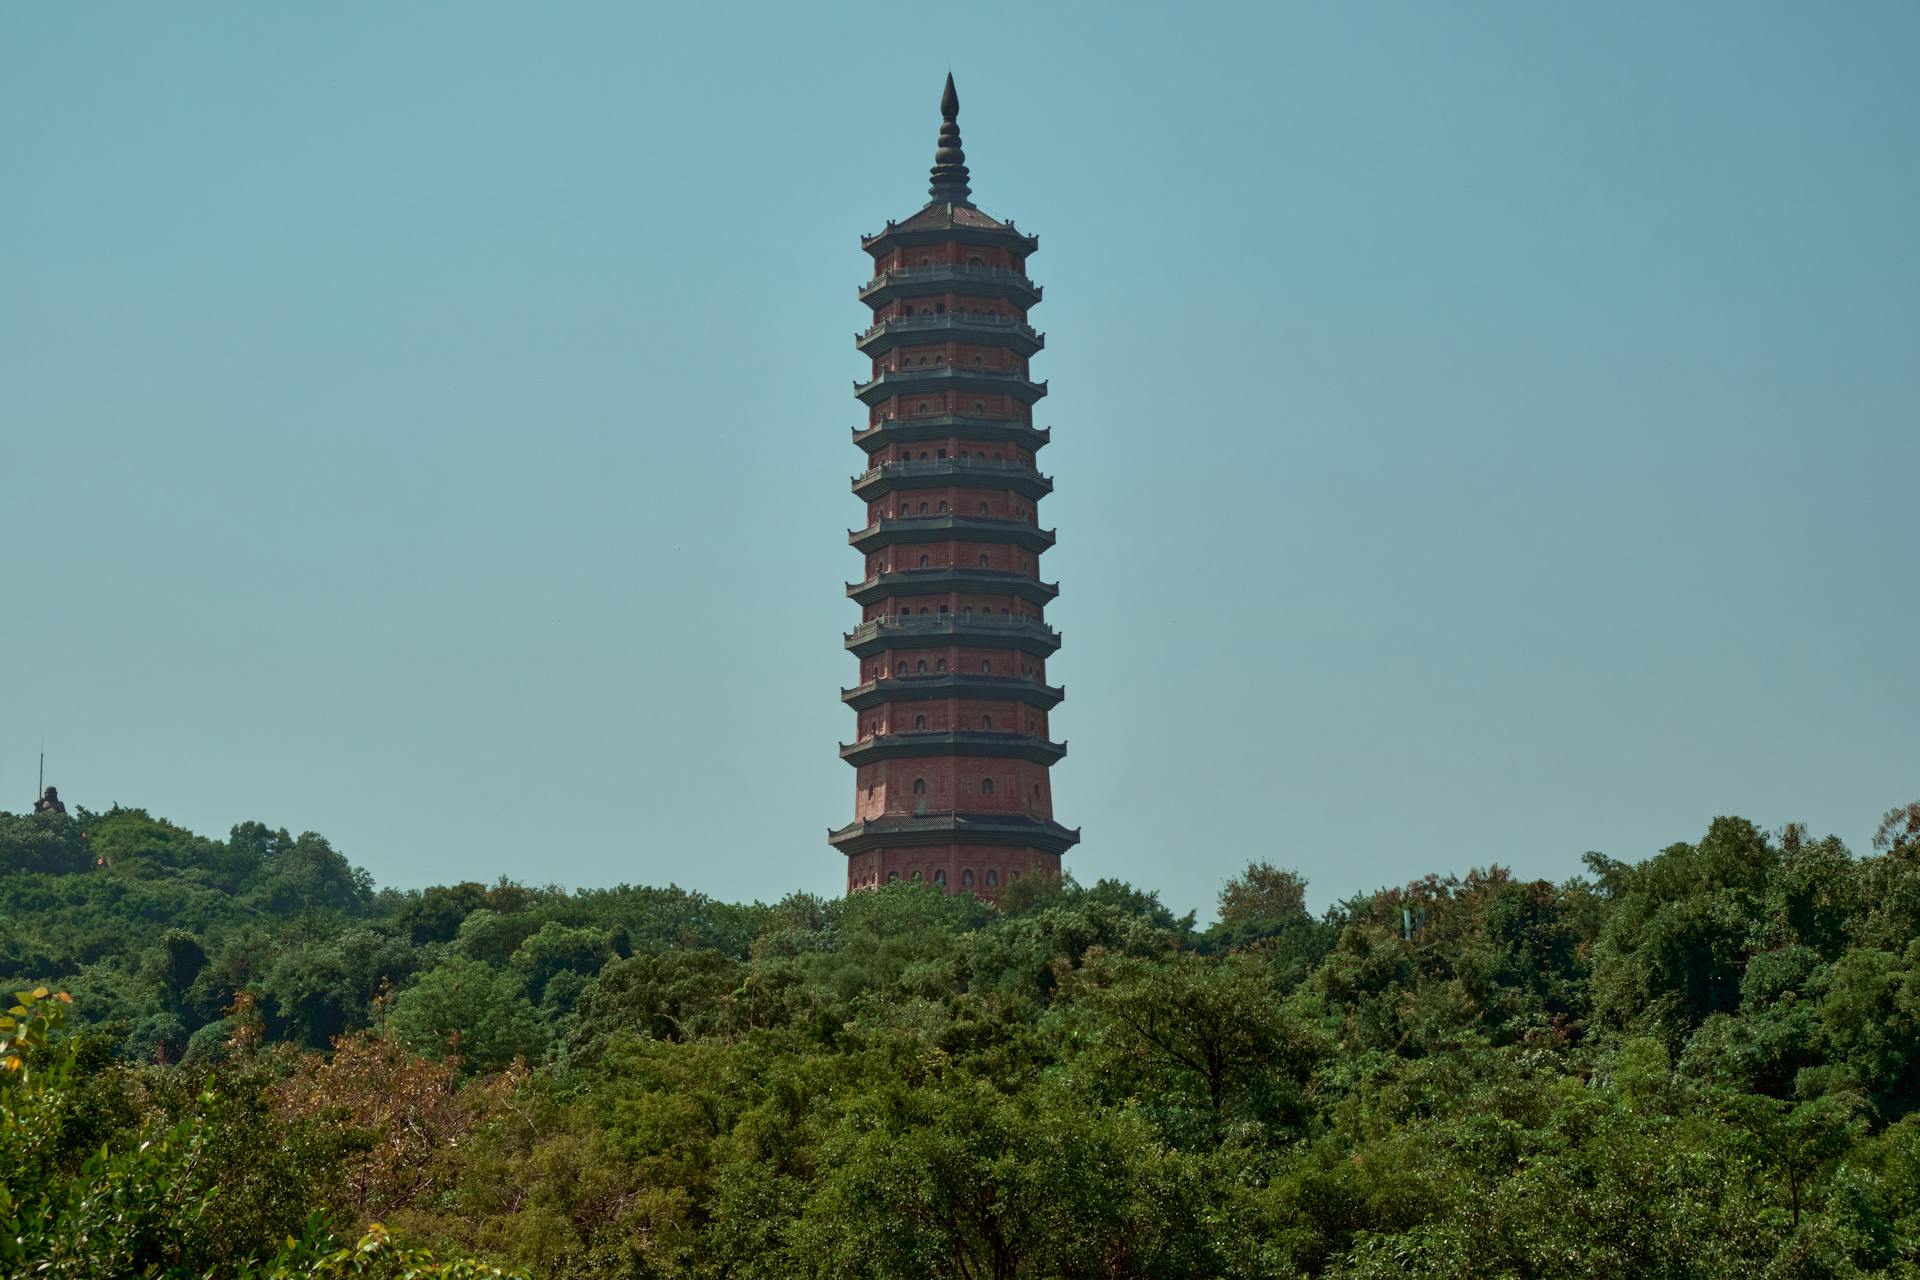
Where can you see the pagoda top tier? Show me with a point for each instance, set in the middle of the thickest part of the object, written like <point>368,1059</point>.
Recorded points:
<point>951,214</point>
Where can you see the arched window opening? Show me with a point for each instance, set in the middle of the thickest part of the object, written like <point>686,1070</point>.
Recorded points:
<point>966,612</point>
<point>920,667</point>
<point>940,878</point>
<point>916,876</point>
<point>983,562</point>
<point>924,562</point>
<point>983,508</point>
<point>975,262</point>
<point>986,722</point>
<point>894,876</point>
<point>900,670</point>
<point>966,878</point>
<point>923,406</point>
<point>919,786</point>
<point>993,879</point>
<point>940,664</point>
<point>939,308</point>
<point>920,724</point>
<point>986,667</point>
<point>943,507</point>
<point>986,786</point>
<point>923,508</point>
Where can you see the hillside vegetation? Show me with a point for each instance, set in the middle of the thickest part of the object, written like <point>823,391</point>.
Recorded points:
<point>237,1057</point>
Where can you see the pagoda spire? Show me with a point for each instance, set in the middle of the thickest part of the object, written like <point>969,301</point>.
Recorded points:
<point>949,161</point>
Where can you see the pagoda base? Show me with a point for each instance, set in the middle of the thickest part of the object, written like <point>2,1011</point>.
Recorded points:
<point>982,869</point>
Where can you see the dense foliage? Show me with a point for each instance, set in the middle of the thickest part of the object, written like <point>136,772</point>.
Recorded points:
<point>1706,1064</point>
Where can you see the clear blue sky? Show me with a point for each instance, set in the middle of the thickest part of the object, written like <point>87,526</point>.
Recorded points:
<point>1482,433</point>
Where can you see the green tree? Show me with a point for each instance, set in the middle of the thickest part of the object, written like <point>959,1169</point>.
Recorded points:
<point>1190,1034</point>
<point>1799,1141</point>
<point>435,914</point>
<point>1871,1019</point>
<point>555,949</point>
<point>1265,894</point>
<point>464,1009</point>
<point>307,874</point>
<point>1675,945</point>
<point>47,843</point>
<point>671,995</point>
<point>960,1181</point>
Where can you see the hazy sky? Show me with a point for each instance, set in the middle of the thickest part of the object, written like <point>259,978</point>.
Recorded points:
<point>1482,433</point>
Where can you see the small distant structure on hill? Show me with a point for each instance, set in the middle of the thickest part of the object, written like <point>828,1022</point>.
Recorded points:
<point>50,802</point>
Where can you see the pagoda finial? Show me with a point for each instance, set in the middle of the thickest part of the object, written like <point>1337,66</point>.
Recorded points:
<point>949,161</point>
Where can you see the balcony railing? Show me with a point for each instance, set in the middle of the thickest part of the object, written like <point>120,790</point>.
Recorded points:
<point>927,528</point>
<point>946,319</point>
<point>945,417</point>
<point>884,732</point>
<point>959,742</point>
<point>886,677</point>
<point>943,371</point>
<point>950,271</point>
<point>1004,579</point>
<point>932,520</point>
<point>942,466</point>
<point>1019,687</point>
<point>926,622</point>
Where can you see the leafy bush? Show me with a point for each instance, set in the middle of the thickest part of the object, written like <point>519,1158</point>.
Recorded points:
<point>1702,1065</point>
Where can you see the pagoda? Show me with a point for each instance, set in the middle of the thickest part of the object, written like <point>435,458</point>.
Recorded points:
<point>952,748</point>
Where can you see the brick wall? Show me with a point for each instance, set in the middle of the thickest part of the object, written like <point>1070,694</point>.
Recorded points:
<point>953,782</point>
<point>939,714</point>
<point>982,869</point>
<point>940,255</point>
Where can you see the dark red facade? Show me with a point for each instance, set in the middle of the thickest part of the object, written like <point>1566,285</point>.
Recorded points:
<point>953,748</point>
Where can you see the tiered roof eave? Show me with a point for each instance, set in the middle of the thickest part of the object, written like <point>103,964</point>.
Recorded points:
<point>1017,830</point>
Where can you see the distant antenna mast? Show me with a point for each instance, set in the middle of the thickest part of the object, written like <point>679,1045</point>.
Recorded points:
<point>42,789</point>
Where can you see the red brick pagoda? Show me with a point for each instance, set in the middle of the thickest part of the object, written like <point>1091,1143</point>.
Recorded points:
<point>952,748</point>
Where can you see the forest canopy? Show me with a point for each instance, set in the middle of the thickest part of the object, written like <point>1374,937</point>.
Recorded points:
<point>238,1056</point>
